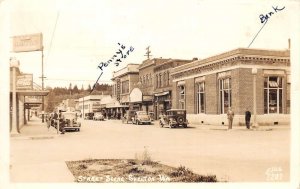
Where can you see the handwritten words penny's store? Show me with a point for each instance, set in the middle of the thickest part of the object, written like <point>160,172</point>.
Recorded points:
<point>243,79</point>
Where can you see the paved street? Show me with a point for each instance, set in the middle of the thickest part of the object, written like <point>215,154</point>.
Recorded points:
<point>236,155</point>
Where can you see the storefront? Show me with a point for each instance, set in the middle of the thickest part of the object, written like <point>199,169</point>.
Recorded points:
<point>257,80</point>
<point>162,103</point>
<point>141,102</point>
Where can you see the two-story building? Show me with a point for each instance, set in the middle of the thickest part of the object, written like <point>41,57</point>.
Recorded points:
<point>142,96</point>
<point>253,79</point>
<point>162,95</point>
<point>125,80</point>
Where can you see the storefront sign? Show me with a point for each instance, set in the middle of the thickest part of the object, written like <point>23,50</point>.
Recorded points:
<point>24,82</point>
<point>118,89</point>
<point>27,43</point>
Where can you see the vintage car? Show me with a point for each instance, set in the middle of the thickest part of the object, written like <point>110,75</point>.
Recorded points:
<point>141,117</point>
<point>98,116</point>
<point>89,116</point>
<point>128,116</point>
<point>69,121</point>
<point>174,118</point>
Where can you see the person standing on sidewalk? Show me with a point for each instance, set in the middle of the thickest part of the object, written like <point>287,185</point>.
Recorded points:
<point>230,115</point>
<point>247,118</point>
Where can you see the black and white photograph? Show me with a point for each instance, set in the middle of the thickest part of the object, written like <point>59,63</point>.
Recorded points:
<point>149,93</point>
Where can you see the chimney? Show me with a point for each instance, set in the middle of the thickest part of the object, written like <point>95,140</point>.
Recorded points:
<point>289,41</point>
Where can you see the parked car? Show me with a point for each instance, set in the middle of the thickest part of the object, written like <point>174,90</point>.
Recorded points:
<point>70,121</point>
<point>174,118</point>
<point>89,116</point>
<point>141,117</point>
<point>98,116</point>
<point>128,116</point>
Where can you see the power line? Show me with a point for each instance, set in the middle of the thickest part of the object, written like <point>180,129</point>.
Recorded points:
<point>53,35</point>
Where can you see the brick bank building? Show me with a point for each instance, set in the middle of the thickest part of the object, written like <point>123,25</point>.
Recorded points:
<point>241,79</point>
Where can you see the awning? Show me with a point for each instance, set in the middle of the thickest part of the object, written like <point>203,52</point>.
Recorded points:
<point>116,105</point>
<point>32,93</point>
<point>136,95</point>
<point>162,93</point>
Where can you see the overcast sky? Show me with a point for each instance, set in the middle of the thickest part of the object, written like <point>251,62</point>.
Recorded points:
<point>79,34</point>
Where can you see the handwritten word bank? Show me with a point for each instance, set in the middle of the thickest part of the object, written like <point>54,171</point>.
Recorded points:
<point>264,17</point>
<point>121,54</point>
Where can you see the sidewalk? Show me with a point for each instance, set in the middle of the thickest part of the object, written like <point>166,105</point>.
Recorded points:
<point>241,128</point>
<point>35,129</point>
<point>23,165</point>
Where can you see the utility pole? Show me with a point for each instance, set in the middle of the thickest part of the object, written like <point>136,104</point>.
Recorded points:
<point>43,105</point>
<point>148,52</point>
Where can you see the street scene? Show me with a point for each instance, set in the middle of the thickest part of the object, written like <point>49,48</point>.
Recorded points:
<point>150,92</point>
<point>196,147</point>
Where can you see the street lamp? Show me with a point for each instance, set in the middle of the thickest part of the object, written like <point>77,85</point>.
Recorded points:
<point>14,63</point>
<point>254,72</point>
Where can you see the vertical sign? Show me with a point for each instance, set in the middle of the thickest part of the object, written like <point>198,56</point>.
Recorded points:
<point>118,89</point>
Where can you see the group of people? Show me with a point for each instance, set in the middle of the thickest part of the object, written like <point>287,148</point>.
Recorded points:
<point>230,115</point>
<point>56,120</point>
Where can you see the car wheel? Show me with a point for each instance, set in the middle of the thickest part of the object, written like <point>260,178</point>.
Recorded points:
<point>180,119</point>
<point>185,125</point>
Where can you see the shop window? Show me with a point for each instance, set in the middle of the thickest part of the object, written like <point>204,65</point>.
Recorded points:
<point>159,80</point>
<point>156,82</point>
<point>273,95</point>
<point>164,79</point>
<point>181,96</point>
<point>125,87</point>
<point>200,98</point>
<point>225,94</point>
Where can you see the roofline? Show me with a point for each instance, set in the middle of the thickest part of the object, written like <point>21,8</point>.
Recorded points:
<point>234,52</point>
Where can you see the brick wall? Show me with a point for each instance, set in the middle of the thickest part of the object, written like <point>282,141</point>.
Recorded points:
<point>242,90</point>
<point>259,92</point>
<point>211,94</point>
<point>174,95</point>
<point>190,96</point>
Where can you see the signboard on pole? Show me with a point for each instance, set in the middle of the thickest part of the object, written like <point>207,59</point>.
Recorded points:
<point>25,82</point>
<point>27,43</point>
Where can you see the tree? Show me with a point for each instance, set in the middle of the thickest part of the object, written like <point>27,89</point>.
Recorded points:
<point>89,88</point>
<point>75,89</point>
<point>70,89</point>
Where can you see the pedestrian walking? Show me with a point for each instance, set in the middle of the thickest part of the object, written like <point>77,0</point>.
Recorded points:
<point>247,118</point>
<point>230,115</point>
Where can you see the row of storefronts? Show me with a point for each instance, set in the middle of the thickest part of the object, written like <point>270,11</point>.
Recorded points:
<point>243,79</point>
<point>25,97</point>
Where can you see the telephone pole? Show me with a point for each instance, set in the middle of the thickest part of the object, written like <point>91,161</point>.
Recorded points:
<point>148,52</point>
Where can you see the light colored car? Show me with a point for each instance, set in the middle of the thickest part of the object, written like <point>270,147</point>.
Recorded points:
<point>141,117</point>
<point>98,116</point>
<point>70,121</point>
